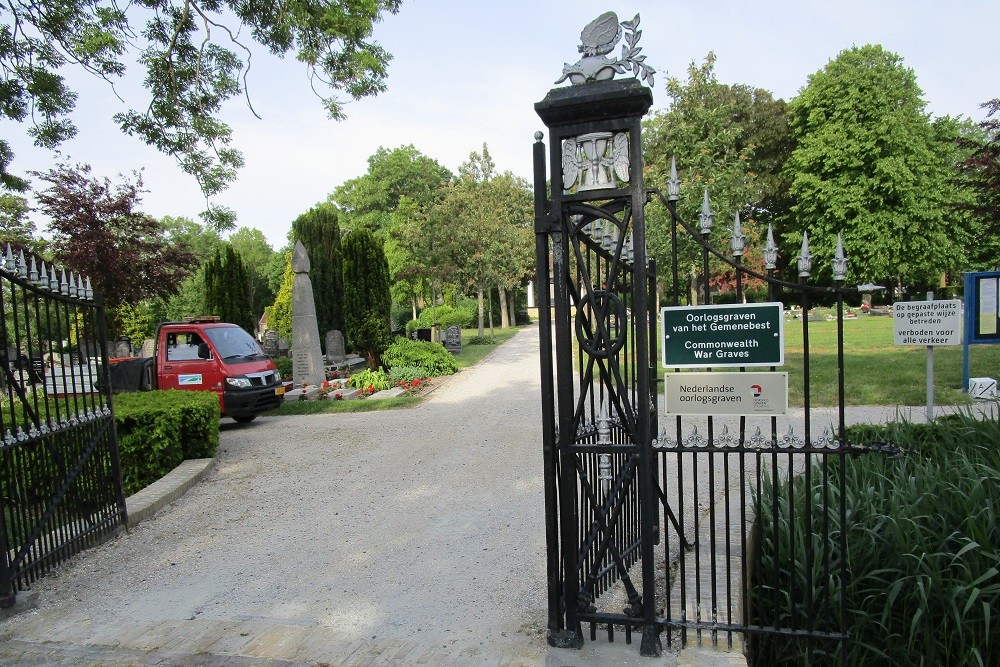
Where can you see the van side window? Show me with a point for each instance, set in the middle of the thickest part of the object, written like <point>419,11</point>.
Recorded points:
<point>183,346</point>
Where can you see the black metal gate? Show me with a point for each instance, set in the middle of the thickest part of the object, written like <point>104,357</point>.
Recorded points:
<point>657,530</point>
<point>60,482</point>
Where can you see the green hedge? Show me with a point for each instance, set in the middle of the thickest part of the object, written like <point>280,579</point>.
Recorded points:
<point>432,358</point>
<point>157,430</point>
<point>923,550</point>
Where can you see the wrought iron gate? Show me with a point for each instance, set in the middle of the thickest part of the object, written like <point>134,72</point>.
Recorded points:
<point>658,530</point>
<point>60,482</point>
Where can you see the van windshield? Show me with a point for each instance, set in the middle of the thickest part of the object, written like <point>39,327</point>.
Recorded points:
<point>232,342</point>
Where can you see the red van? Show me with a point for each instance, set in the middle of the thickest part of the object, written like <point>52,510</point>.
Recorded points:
<point>206,354</point>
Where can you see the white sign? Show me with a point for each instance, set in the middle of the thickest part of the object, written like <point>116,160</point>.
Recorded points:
<point>928,322</point>
<point>725,393</point>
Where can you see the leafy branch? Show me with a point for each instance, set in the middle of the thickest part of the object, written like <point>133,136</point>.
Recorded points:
<point>630,60</point>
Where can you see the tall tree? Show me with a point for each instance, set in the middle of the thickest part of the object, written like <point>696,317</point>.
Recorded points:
<point>319,231</point>
<point>98,230</point>
<point>868,165</point>
<point>369,201</point>
<point>391,200</point>
<point>367,302</point>
<point>189,71</point>
<point>16,228</point>
<point>732,139</point>
<point>227,289</point>
<point>279,314</point>
<point>488,241</point>
<point>189,300</point>
<point>981,171</point>
<point>264,266</point>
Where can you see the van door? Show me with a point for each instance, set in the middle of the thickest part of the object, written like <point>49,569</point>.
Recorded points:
<point>188,362</point>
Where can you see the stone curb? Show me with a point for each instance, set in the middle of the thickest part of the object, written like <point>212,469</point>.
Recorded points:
<point>167,489</point>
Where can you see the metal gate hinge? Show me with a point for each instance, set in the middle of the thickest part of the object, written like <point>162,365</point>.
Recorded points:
<point>547,223</point>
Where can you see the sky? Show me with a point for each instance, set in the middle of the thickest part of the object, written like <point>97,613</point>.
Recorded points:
<point>468,73</point>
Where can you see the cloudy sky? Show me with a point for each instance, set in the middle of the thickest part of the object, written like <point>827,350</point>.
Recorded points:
<point>468,73</point>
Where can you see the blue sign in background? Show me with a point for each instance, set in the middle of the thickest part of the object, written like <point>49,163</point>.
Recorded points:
<point>982,314</point>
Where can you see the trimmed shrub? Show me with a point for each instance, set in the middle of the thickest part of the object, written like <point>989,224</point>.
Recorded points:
<point>432,358</point>
<point>445,315</point>
<point>157,430</point>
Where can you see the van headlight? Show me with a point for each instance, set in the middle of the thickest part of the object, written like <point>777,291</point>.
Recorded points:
<point>241,383</point>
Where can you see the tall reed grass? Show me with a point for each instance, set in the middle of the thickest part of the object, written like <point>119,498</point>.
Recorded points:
<point>923,552</point>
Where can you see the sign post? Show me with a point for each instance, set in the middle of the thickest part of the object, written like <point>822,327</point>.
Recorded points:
<point>736,335</point>
<point>725,394</point>
<point>928,323</point>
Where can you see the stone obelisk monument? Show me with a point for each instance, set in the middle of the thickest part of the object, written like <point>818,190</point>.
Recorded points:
<point>307,358</point>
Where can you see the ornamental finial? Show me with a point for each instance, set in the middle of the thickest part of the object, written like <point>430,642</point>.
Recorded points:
<point>599,38</point>
<point>770,251</point>
<point>706,217</point>
<point>674,184</point>
<point>839,261</point>
<point>805,258</point>
<point>739,239</point>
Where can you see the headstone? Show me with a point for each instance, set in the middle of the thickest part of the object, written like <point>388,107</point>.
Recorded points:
<point>335,347</point>
<point>453,339</point>
<point>123,348</point>
<point>283,347</point>
<point>422,334</point>
<point>148,348</point>
<point>307,358</point>
<point>271,346</point>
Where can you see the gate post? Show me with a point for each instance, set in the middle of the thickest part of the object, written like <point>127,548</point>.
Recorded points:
<point>590,221</point>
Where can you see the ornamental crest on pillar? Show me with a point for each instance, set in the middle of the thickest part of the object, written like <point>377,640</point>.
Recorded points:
<point>597,40</point>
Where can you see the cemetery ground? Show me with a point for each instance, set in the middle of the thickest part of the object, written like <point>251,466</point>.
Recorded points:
<point>403,536</point>
<point>472,353</point>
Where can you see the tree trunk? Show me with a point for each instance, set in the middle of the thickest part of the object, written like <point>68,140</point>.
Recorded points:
<point>413,304</point>
<point>510,309</point>
<point>491,316</point>
<point>504,319</point>
<point>479,297</point>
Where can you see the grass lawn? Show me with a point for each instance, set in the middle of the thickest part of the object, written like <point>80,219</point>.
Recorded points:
<point>876,370</point>
<point>471,355</point>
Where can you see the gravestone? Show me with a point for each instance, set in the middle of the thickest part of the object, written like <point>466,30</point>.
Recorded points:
<point>148,348</point>
<point>271,346</point>
<point>283,347</point>
<point>307,358</point>
<point>123,348</point>
<point>453,339</point>
<point>335,347</point>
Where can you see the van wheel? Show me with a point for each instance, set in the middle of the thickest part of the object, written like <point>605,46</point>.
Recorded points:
<point>245,419</point>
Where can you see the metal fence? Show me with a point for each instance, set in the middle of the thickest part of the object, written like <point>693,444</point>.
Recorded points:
<point>683,528</point>
<point>60,482</point>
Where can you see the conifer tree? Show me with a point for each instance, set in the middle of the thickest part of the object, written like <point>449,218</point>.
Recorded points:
<point>366,296</point>
<point>227,289</point>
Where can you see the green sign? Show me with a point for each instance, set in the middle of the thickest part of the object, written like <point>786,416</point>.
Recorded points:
<point>751,334</point>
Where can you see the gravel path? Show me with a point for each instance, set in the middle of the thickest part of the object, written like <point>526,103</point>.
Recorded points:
<point>421,527</point>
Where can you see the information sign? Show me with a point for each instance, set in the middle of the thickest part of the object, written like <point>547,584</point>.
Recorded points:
<point>928,322</point>
<point>724,393</point>
<point>735,335</point>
